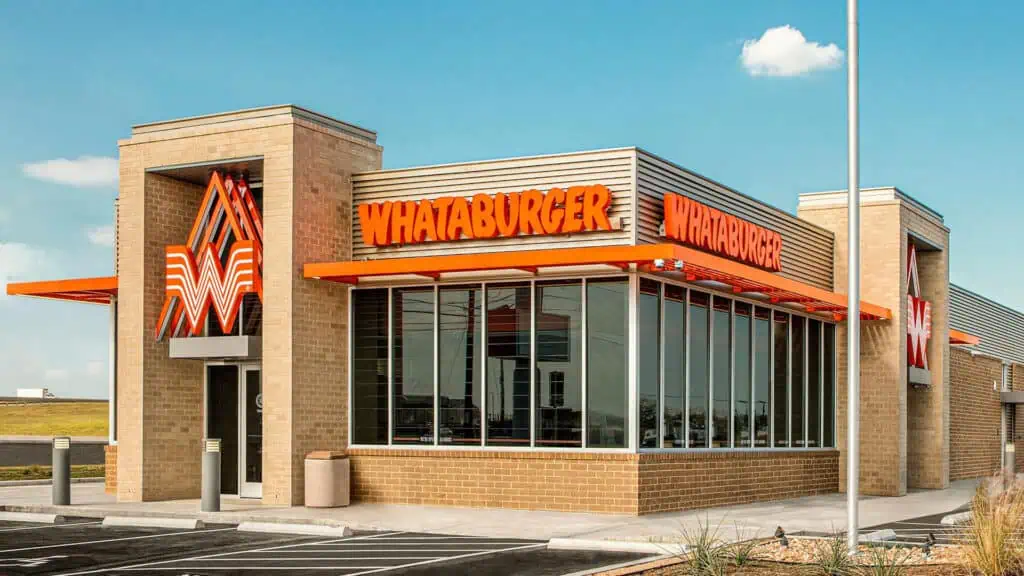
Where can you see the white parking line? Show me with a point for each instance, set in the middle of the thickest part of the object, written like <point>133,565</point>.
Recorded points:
<point>47,526</point>
<point>67,544</point>
<point>447,558</point>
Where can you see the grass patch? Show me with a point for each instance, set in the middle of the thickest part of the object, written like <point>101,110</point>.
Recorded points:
<point>45,472</point>
<point>53,419</point>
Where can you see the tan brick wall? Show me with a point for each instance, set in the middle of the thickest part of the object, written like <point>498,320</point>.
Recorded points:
<point>669,482</point>
<point>617,483</point>
<point>110,469</point>
<point>1016,384</point>
<point>576,482</point>
<point>975,441</point>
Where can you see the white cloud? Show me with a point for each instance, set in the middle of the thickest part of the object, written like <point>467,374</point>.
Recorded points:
<point>82,172</point>
<point>95,368</point>
<point>783,51</point>
<point>55,374</point>
<point>101,235</point>
<point>19,262</point>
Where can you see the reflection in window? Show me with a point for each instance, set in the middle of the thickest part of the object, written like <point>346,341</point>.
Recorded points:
<point>459,371</point>
<point>722,371</point>
<point>559,397</point>
<point>741,380</point>
<point>796,382</point>
<point>781,375</point>
<point>607,359</point>
<point>675,366</point>
<point>648,361</point>
<point>698,364</point>
<point>413,365</point>
<point>508,365</point>
<point>829,395</point>
<point>762,376</point>
<point>370,366</point>
<point>813,383</point>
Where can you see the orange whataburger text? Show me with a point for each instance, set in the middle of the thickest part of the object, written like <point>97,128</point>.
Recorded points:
<point>557,211</point>
<point>706,228</point>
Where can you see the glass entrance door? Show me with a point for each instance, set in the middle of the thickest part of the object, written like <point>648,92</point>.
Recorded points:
<point>251,433</point>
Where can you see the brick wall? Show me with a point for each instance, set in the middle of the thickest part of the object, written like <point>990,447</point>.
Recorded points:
<point>616,483</point>
<point>110,469</point>
<point>669,482</point>
<point>975,442</point>
<point>1017,384</point>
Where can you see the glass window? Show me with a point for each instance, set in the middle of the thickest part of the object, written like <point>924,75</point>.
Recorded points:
<point>559,352</point>
<point>813,383</point>
<point>675,365</point>
<point>796,382</point>
<point>741,379</point>
<point>460,375</point>
<point>508,365</point>
<point>762,375</point>
<point>370,366</point>
<point>779,386</point>
<point>607,361</point>
<point>722,371</point>
<point>828,438</point>
<point>697,402</point>
<point>649,368</point>
<point>413,365</point>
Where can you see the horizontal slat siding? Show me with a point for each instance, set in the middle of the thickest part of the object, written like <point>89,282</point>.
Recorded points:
<point>807,253</point>
<point>613,168</point>
<point>1001,329</point>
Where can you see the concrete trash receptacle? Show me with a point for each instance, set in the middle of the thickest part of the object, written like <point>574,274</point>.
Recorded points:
<point>327,479</point>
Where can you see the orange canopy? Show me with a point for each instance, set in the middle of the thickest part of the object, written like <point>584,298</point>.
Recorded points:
<point>691,264</point>
<point>91,290</point>
<point>958,337</point>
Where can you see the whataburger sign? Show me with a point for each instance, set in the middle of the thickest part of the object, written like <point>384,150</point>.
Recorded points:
<point>919,316</point>
<point>228,223</point>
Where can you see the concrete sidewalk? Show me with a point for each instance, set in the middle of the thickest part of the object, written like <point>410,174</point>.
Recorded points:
<point>818,513</point>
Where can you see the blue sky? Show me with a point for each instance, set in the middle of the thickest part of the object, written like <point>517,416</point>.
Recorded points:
<point>448,81</point>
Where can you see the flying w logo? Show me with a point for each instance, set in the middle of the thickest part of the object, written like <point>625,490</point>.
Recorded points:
<point>228,213</point>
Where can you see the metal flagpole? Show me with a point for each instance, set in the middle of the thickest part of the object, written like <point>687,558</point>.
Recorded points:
<point>853,316</point>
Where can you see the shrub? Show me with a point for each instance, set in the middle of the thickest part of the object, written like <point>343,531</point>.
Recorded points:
<point>886,561</point>
<point>743,551</point>
<point>991,541</point>
<point>831,556</point>
<point>706,550</point>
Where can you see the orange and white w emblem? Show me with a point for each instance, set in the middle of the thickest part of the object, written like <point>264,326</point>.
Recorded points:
<point>228,214</point>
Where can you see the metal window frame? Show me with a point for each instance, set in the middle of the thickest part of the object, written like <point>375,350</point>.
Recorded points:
<point>632,335</point>
<point>789,381</point>
<point>391,368</point>
<point>484,417</point>
<point>437,366</point>
<point>689,368</point>
<point>584,370</point>
<point>660,439</point>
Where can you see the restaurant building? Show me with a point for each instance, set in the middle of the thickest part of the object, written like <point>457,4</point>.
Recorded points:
<point>594,331</point>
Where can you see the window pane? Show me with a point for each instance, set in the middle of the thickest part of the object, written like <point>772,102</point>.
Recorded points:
<point>796,383</point>
<point>413,365</point>
<point>508,365</point>
<point>762,375</point>
<point>741,380</point>
<point>459,371</point>
<point>675,365</point>
<point>649,364</point>
<point>813,383</point>
<point>607,361</point>
<point>559,364</point>
<point>370,366</point>
<point>828,434</point>
<point>779,385</point>
<point>698,361</point>
<point>722,372</point>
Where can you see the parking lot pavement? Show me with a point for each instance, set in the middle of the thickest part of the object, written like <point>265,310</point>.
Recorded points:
<point>82,546</point>
<point>916,530</point>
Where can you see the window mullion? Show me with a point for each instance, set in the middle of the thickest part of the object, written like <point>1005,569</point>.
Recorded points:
<point>391,379</point>
<point>533,363</point>
<point>484,389</point>
<point>436,364</point>
<point>584,369</point>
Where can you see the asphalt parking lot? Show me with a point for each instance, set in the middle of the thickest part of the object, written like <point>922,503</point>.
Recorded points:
<point>82,546</point>
<point>916,530</point>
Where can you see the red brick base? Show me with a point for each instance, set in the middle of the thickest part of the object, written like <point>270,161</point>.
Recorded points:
<point>617,483</point>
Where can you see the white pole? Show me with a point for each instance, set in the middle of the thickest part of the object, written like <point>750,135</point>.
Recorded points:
<point>853,316</point>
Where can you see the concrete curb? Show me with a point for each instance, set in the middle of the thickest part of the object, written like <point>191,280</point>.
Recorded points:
<point>47,481</point>
<point>625,568</point>
<point>32,517</point>
<point>954,519</point>
<point>143,522</point>
<point>879,536</point>
<point>292,528</point>
<point>653,548</point>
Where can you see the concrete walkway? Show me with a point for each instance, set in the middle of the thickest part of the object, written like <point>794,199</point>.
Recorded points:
<point>818,513</point>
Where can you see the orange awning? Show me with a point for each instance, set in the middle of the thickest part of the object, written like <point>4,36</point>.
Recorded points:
<point>958,337</point>
<point>91,290</point>
<point>692,265</point>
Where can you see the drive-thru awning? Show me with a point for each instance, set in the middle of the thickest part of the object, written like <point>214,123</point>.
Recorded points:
<point>92,290</point>
<point>669,259</point>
